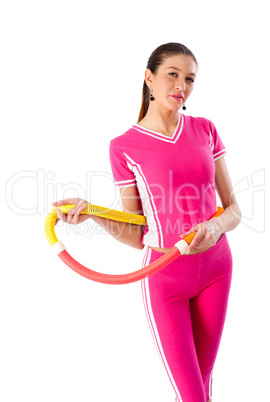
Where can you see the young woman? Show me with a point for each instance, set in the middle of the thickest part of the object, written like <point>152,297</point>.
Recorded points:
<point>169,167</point>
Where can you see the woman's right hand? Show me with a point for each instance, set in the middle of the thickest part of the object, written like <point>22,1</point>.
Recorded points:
<point>73,216</point>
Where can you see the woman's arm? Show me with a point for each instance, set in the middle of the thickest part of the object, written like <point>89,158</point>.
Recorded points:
<point>209,232</point>
<point>124,232</point>
<point>231,216</point>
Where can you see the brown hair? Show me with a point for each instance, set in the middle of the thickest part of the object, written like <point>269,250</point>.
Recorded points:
<point>155,60</point>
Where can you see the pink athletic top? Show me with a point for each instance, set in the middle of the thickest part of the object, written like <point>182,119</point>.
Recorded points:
<point>175,176</point>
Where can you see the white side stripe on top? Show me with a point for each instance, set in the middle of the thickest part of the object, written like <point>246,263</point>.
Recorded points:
<point>150,210</point>
<point>211,141</point>
<point>152,324</point>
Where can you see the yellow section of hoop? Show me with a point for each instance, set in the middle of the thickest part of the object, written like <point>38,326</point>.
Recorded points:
<point>109,213</point>
<point>90,210</point>
<point>49,227</point>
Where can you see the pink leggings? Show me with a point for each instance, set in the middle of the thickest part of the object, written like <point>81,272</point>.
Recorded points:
<point>186,305</point>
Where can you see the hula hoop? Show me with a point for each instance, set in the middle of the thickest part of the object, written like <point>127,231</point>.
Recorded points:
<point>178,249</point>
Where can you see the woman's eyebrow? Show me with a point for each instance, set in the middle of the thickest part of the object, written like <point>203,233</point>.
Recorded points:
<point>180,70</point>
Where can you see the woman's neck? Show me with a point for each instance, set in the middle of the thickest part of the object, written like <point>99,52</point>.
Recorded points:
<point>163,122</point>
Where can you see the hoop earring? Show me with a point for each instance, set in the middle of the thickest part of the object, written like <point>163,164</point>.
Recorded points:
<point>184,107</point>
<point>151,95</point>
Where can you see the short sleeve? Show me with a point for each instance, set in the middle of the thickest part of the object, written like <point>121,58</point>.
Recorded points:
<point>216,144</point>
<point>123,176</point>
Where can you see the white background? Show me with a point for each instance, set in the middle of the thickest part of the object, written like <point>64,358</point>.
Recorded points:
<point>71,80</point>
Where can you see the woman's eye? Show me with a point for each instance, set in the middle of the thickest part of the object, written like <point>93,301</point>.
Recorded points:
<point>175,75</point>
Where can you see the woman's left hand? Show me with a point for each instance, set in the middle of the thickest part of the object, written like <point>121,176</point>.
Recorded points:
<point>207,234</point>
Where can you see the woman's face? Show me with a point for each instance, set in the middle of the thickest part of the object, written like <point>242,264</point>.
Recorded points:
<point>173,82</point>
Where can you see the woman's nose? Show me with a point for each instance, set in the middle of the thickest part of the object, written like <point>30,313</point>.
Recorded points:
<point>181,84</point>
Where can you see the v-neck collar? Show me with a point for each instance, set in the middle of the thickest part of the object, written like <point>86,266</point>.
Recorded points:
<point>163,137</point>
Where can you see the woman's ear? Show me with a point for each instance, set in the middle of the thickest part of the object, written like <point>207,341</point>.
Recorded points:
<point>148,77</point>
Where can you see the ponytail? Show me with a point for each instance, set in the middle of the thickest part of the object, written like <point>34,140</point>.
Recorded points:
<point>145,102</point>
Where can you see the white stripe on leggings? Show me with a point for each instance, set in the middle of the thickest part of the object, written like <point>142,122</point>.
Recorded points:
<point>152,324</point>
<point>210,385</point>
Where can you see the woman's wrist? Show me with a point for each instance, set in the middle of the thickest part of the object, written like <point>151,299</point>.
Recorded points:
<point>218,227</point>
<point>229,219</point>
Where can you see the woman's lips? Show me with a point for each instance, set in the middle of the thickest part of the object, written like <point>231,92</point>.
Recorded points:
<point>177,97</point>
